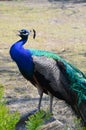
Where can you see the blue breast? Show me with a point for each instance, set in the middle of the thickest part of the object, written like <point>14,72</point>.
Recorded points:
<point>23,59</point>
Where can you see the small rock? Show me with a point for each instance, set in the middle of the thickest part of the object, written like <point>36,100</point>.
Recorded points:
<point>55,125</point>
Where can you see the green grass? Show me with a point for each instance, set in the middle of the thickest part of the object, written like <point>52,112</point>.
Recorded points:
<point>37,120</point>
<point>7,120</point>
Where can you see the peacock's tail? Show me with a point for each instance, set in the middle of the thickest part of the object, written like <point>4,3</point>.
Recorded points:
<point>77,86</point>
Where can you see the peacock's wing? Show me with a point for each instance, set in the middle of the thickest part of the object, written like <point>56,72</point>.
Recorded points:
<point>50,77</point>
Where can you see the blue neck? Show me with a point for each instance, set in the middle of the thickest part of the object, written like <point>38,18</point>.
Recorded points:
<point>22,57</point>
<point>16,48</point>
<point>20,43</point>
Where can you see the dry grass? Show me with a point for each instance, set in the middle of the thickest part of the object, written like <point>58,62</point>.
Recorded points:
<point>57,28</point>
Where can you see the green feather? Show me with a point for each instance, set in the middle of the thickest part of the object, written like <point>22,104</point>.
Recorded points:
<point>45,53</point>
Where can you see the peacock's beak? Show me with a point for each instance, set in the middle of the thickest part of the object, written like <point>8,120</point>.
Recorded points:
<point>18,32</point>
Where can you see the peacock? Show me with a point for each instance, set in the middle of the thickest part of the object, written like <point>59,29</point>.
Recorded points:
<point>51,74</point>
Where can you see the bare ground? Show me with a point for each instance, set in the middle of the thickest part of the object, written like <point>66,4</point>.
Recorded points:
<point>21,95</point>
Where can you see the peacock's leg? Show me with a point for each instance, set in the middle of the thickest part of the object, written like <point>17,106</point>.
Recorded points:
<point>40,91</point>
<point>51,101</point>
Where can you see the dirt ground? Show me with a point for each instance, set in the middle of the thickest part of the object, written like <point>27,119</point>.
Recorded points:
<point>19,93</point>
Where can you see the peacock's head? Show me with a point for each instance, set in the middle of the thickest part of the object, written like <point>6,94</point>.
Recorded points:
<point>25,33</point>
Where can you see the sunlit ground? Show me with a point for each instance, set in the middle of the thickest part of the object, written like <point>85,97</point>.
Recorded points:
<point>60,28</point>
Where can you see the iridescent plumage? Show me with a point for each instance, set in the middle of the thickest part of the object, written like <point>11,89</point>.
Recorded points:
<point>51,74</point>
